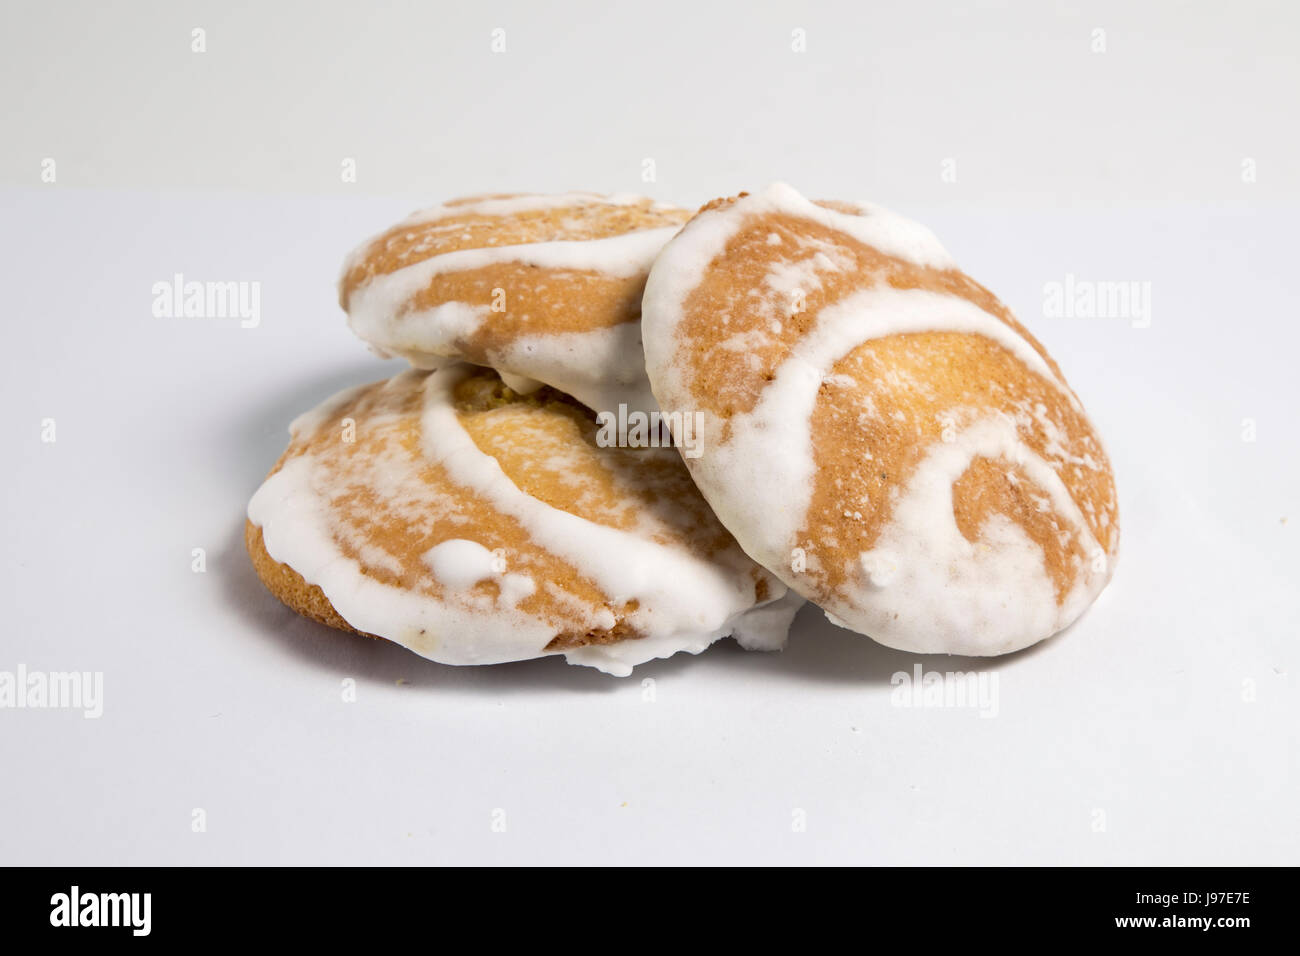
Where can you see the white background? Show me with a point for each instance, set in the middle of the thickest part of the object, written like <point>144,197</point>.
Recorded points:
<point>1170,711</point>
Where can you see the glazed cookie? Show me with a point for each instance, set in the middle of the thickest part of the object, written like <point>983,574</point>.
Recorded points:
<point>878,429</point>
<point>545,289</point>
<point>445,512</point>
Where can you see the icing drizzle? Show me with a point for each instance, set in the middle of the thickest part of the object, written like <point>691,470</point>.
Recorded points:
<point>600,367</point>
<point>922,585</point>
<point>679,599</point>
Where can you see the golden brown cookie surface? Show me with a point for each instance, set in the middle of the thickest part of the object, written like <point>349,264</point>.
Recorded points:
<point>445,512</point>
<point>880,431</point>
<point>543,288</point>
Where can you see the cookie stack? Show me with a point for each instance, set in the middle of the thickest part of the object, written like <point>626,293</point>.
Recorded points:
<point>867,427</point>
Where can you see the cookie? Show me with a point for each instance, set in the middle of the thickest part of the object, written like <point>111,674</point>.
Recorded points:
<point>877,428</point>
<point>544,289</point>
<point>445,512</point>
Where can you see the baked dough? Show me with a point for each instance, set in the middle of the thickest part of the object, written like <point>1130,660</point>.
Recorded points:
<point>445,512</point>
<point>545,289</point>
<point>879,430</point>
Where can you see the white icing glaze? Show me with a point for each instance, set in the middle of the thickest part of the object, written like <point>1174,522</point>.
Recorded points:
<point>688,586</point>
<point>684,600</point>
<point>530,202</point>
<point>781,417</point>
<point>681,266</point>
<point>508,206</point>
<point>459,564</point>
<point>602,363</point>
<point>931,590</point>
<point>765,628</point>
<point>520,384</point>
<point>924,586</point>
<point>602,368</point>
<point>379,310</point>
